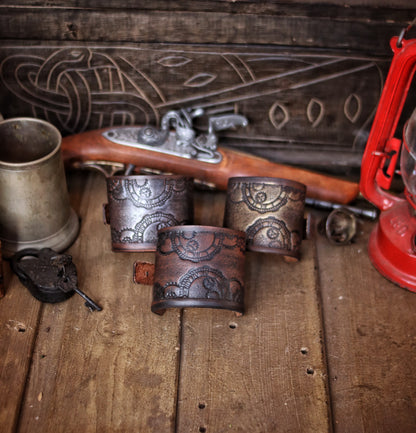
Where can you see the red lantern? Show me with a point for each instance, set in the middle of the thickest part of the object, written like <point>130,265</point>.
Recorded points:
<point>392,246</point>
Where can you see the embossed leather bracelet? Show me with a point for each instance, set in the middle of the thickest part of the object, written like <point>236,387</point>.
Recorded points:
<point>269,210</point>
<point>138,206</point>
<point>199,266</point>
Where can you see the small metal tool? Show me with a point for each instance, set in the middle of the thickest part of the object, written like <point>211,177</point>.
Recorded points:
<point>50,277</point>
<point>371,214</point>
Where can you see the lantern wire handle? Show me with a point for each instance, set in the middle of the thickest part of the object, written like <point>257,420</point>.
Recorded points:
<point>404,33</point>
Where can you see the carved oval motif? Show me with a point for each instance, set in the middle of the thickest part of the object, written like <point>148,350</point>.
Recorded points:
<point>200,80</point>
<point>352,107</point>
<point>315,112</point>
<point>174,61</point>
<point>278,115</point>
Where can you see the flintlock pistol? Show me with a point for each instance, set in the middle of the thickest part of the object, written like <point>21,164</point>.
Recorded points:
<point>176,147</point>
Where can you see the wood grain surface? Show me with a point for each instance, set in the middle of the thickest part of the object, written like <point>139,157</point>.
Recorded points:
<point>307,76</point>
<point>109,371</point>
<point>325,344</point>
<point>264,371</point>
<point>370,340</point>
<point>207,22</point>
<point>19,321</point>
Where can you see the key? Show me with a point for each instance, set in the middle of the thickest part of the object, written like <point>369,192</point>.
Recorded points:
<point>50,277</point>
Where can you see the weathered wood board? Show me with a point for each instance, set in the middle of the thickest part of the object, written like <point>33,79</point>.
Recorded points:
<point>127,369</point>
<point>111,371</point>
<point>19,314</point>
<point>307,77</point>
<point>325,344</point>
<point>264,371</point>
<point>370,328</point>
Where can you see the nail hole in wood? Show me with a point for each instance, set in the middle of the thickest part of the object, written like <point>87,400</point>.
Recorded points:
<point>232,325</point>
<point>304,350</point>
<point>310,370</point>
<point>201,405</point>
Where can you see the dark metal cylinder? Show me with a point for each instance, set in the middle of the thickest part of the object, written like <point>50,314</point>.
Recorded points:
<point>269,210</point>
<point>34,203</point>
<point>199,266</point>
<point>139,206</point>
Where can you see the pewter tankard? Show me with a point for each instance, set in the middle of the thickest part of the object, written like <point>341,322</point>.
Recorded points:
<point>34,203</point>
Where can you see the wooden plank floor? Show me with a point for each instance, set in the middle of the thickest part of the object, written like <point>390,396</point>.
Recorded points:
<point>326,344</point>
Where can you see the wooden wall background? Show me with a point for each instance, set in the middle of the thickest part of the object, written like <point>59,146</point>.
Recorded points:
<point>308,76</point>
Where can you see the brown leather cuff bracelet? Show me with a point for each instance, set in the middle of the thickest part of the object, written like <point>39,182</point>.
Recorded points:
<point>269,210</point>
<point>138,206</point>
<point>197,266</point>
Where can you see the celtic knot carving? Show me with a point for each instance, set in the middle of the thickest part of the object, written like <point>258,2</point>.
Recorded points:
<point>79,88</point>
<point>86,87</point>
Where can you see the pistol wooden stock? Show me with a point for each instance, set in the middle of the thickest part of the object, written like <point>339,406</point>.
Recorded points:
<point>92,145</point>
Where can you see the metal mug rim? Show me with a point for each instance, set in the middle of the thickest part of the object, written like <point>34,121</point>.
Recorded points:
<point>33,162</point>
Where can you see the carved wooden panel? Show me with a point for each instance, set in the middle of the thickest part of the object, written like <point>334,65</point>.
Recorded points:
<point>295,100</point>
